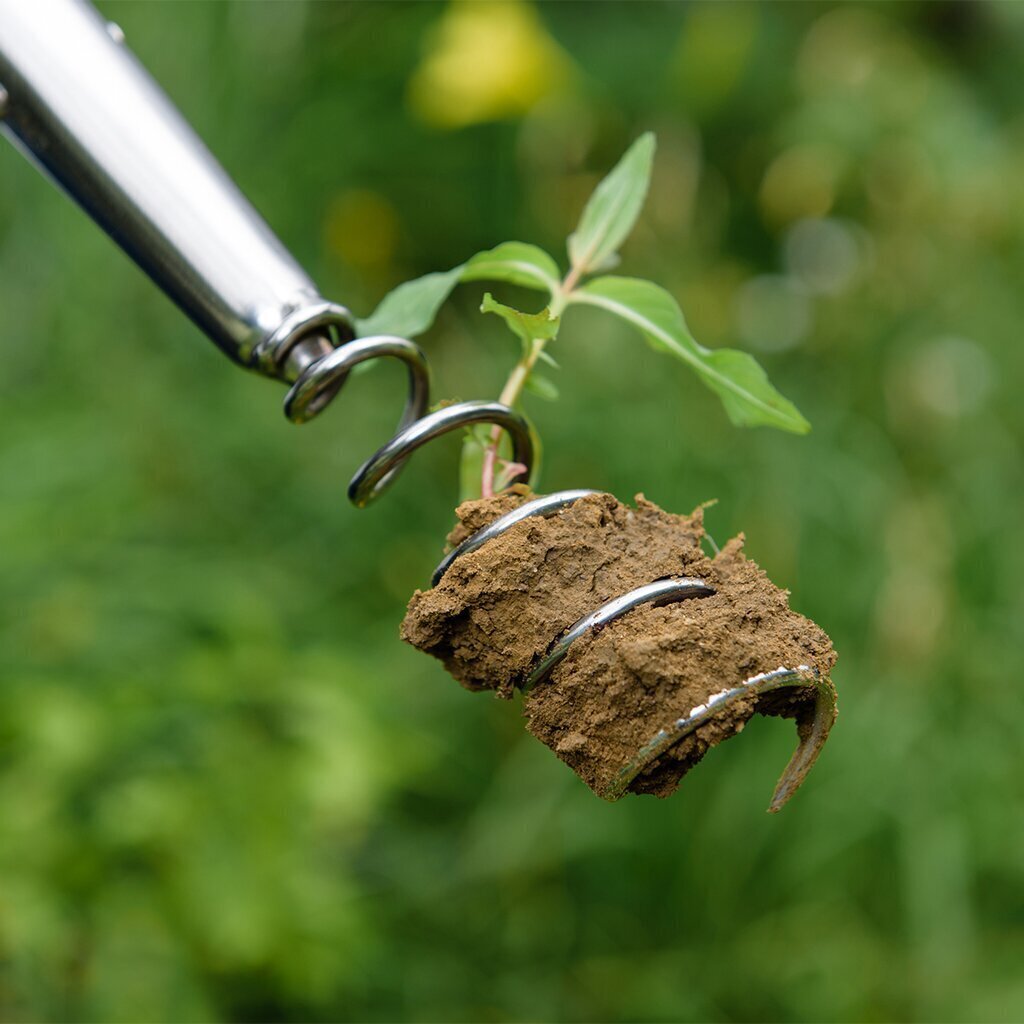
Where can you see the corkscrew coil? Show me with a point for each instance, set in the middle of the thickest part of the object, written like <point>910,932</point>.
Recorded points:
<point>317,383</point>
<point>321,380</point>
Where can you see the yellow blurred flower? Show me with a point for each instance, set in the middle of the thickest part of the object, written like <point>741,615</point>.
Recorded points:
<point>489,59</point>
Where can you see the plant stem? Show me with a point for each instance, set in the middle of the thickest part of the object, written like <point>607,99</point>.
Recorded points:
<point>518,377</point>
<point>571,280</point>
<point>509,396</point>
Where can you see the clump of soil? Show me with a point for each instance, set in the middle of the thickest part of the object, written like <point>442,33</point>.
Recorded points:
<point>497,611</point>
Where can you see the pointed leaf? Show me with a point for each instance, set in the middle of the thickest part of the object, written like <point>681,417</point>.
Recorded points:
<point>409,309</point>
<point>748,397</point>
<point>527,327</point>
<point>516,263</point>
<point>613,208</point>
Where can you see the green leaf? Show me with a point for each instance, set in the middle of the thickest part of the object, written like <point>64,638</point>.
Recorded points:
<point>410,309</point>
<point>748,397</point>
<point>527,327</point>
<point>542,387</point>
<point>613,208</point>
<point>516,263</point>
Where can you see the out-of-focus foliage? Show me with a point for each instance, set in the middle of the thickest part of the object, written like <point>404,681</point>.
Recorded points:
<point>227,792</point>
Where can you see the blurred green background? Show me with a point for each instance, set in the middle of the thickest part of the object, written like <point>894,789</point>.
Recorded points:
<point>228,792</point>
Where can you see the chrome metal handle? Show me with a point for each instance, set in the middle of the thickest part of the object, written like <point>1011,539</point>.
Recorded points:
<point>76,100</point>
<point>80,105</point>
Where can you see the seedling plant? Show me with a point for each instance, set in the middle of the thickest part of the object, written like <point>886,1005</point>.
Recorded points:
<point>607,220</point>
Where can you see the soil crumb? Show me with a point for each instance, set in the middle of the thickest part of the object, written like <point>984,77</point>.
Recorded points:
<point>498,610</point>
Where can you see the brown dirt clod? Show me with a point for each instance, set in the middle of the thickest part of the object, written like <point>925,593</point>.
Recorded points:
<point>497,610</point>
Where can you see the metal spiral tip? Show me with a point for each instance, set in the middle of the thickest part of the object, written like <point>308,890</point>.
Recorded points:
<point>319,382</point>
<point>661,592</point>
<point>546,505</point>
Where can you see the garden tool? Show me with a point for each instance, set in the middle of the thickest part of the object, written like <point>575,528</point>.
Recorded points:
<point>76,101</point>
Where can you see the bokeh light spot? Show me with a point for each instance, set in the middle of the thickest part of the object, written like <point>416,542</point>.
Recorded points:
<point>823,255</point>
<point>773,313</point>
<point>713,52</point>
<point>951,376</point>
<point>800,182</point>
<point>840,50</point>
<point>361,228</point>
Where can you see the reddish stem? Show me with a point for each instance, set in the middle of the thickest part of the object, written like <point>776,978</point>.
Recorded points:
<point>489,463</point>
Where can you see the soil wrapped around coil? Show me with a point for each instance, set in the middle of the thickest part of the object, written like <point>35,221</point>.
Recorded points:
<point>497,610</point>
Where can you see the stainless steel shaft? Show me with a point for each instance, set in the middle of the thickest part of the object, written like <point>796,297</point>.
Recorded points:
<point>79,104</point>
<point>77,101</point>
